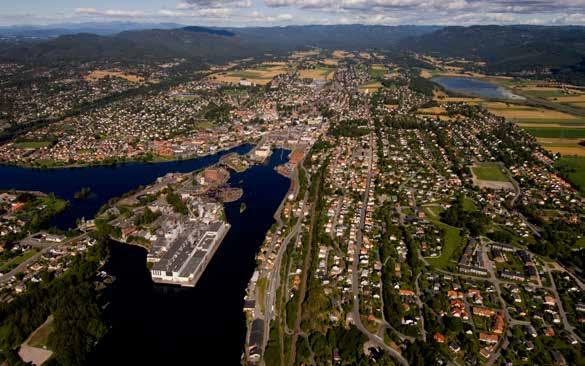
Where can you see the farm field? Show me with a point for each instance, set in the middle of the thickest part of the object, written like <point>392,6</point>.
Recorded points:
<point>563,146</point>
<point>570,99</point>
<point>557,132</point>
<point>489,172</point>
<point>318,73</point>
<point>371,87</point>
<point>522,113</point>
<point>261,76</point>
<point>101,74</point>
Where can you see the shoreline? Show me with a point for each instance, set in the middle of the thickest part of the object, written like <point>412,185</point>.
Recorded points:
<point>123,162</point>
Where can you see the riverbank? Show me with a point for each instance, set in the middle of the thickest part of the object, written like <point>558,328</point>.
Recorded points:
<point>175,323</point>
<point>116,162</point>
<point>106,182</point>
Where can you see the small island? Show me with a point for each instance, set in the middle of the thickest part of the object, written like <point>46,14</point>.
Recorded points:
<point>83,194</point>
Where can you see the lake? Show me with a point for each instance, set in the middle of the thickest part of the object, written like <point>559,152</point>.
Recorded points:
<point>167,325</point>
<point>475,87</point>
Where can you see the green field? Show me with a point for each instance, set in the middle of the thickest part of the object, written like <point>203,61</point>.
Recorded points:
<point>572,133</point>
<point>574,168</point>
<point>452,245</point>
<point>246,74</point>
<point>32,144</point>
<point>377,72</point>
<point>491,172</point>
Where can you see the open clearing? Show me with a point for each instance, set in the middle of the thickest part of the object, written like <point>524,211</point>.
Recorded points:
<point>491,176</point>
<point>557,132</point>
<point>432,110</point>
<point>303,54</point>
<point>101,74</point>
<point>489,172</point>
<point>331,62</point>
<point>260,76</point>
<point>517,112</point>
<point>341,54</point>
<point>319,73</point>
<point>569,99</point>
<point>34,349</point>
<point>425,74</point>
<point>577,170</point>
<point>563,146</point>
<point>32,144</point>
<point>452,245</point>
<point>370,87</point>
<point>378,71</point>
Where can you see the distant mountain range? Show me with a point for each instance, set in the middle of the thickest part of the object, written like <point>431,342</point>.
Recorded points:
<point>513,48</point>
<point>505,49</point>
<point>56,30</point>
<point>213,44</point>
<point>517,49</point>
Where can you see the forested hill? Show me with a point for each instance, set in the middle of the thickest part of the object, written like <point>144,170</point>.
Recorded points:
<point>211,44</point>
<point>509,49</point>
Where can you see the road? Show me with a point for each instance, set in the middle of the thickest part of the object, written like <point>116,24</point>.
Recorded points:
<point>355,280</point>
<point>303,286</point>
<point>24,265</point>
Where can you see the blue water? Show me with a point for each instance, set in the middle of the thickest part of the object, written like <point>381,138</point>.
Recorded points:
<point>475,87</point>
<point>165,325</point>
<point>106,182</point>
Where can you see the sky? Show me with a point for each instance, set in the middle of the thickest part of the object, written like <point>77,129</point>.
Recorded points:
<point>287,12</point>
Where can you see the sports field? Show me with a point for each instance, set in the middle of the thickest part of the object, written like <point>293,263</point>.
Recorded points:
<point>489,172</point>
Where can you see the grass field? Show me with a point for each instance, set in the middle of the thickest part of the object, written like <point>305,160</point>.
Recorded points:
<point>522,113</point>
<point>432,110</point>
<point>378,71</point>
<point>370,87</point>
<point>452,245</point>
<point>261,75</point>
<point>491,172</point>
<point>576,167</point>
<point>319,73</point>
<point>561,132</point>
<point>32,144</point>
<point>101,74</point>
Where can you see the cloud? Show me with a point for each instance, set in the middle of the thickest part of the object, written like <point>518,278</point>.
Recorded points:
<point>390,12</point>
<point>109,13</point>
<point>207,4</point>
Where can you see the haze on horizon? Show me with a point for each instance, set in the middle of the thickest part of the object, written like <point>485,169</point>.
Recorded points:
<point>298,12</point>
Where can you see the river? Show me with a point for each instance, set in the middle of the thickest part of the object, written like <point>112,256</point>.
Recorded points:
<point>475,87</point>
<point>166,325</point>
<point>106,182</point>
